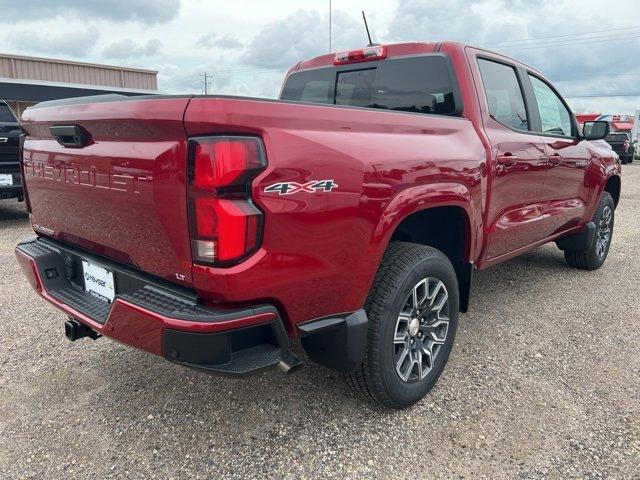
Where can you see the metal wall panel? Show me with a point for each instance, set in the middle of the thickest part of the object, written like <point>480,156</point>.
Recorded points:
<point>30,68</point>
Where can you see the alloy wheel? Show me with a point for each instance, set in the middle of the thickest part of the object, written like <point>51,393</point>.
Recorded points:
<point>604,231</point>
<point>421,329</point>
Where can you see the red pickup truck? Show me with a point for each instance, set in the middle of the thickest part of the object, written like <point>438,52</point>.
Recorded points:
<point>350,214</point>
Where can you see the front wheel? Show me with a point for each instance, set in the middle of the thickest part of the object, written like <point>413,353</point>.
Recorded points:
<point>595,255</point>
<point>413,318</point>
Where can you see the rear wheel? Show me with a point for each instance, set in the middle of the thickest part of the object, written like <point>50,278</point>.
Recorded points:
<point>594,256</point>
<point>413,317</point>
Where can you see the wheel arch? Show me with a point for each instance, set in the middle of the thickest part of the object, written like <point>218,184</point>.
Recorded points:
<point>614,186</point>
<point>444,222</point>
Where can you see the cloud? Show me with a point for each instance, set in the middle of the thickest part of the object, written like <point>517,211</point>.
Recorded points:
<point>538,33</point>
<point>143,11</point>
<point>302,35</point>
<point>226,42</point>
<point>127,48</point>
<point>74,44</point>
<point>178,80</point>
<point>207,40</point>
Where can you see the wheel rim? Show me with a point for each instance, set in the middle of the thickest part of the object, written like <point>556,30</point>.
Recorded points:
<point>421,329</point>
<point>604,231</point>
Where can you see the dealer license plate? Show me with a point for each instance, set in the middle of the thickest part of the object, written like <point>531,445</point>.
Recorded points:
<point>98,281</point>
<point>6,180</point>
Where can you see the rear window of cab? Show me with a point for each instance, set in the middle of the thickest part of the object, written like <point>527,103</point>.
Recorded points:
<point>422,84</point>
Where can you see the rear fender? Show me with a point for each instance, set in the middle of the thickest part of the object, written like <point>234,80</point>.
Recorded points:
<point>423,197</point>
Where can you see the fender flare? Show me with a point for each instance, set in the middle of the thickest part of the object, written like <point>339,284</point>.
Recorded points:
<point>425,197</point>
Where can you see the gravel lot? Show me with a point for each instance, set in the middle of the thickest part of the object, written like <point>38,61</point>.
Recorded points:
<point>543,382</point>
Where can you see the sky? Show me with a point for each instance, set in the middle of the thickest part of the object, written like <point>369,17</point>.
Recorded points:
<point>247,46</point>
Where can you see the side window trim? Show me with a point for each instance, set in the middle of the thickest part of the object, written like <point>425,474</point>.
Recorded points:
<point>527,105</point>
<point>572,117</point>
<point>535,122</point>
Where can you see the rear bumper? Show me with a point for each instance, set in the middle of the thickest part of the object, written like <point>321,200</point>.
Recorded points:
<point>154,316</point>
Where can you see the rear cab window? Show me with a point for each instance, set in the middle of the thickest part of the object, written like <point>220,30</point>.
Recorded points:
<point>420,84</point>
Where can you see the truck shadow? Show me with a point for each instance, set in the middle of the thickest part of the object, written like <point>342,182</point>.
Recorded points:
<point>151,382</point>
<point>12,211</point>
<point>130,370</point>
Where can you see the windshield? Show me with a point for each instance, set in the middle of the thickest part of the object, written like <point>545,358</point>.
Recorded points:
<point>6,115</point>
<point>420,84</point>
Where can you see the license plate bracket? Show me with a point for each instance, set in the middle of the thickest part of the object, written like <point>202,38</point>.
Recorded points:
<point>98,281</point>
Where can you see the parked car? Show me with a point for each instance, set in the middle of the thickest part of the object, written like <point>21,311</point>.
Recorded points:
<point>621,144</point>
<point>350,214</point>
<point>10,181</point>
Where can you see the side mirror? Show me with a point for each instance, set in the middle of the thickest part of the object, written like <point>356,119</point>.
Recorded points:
<point>595,130</point>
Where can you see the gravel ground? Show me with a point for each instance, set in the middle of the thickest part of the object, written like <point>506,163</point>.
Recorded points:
<point>543,382</point>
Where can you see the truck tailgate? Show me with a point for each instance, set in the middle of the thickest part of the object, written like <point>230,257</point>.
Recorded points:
<point>121,190</point>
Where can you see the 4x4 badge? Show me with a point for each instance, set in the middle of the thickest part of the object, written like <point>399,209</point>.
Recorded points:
<point>287,188</point>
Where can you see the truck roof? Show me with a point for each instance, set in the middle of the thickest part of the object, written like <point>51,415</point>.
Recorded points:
<point>407,48</point>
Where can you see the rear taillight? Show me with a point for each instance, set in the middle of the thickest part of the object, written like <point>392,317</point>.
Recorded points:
<point>225,225</point>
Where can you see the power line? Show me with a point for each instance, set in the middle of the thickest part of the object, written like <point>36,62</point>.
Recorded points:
<point>604,95</point>
<point>567,43</point>
<point>627,74</point>
<point>527,40</point>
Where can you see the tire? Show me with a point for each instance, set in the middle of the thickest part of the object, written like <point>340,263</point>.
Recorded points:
<point>390,308</point>
<point>593,257</point>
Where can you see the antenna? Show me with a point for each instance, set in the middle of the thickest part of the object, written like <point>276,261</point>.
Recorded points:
<point>366,25</point>
<point>329,25</point>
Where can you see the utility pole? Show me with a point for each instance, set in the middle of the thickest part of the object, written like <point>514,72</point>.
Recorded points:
<point>205,79</point>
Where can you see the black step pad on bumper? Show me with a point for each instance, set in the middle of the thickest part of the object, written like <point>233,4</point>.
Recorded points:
<point>237,351</point>
<point>60,268</point>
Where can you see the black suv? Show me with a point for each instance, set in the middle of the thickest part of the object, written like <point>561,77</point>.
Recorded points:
<point>621,144</point>
<point>10,131</point>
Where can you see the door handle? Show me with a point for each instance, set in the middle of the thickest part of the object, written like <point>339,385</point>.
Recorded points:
<point>555,159</point>
<point>506,160</point>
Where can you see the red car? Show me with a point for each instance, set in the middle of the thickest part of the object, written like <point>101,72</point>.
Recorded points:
<point>349,214</point>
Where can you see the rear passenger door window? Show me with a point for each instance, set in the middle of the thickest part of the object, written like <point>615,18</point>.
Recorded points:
<point>554,116</point>
<point>504,94</point>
